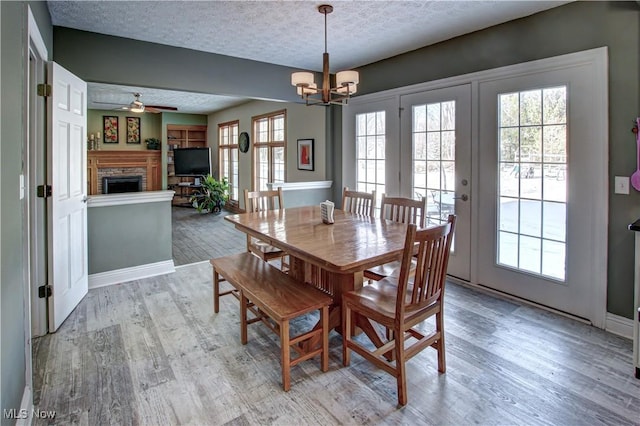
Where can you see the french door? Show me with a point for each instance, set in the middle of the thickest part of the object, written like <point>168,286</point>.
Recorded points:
<point>542,176</point>
<point>435,162</point>
<point>424,154</point>
<point>519,154</point>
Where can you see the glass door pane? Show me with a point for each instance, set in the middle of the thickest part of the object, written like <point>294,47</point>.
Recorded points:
<point>532,170</point>
<point>370,153</point>
<point>434,145</point>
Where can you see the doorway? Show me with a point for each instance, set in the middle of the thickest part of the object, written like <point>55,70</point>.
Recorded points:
<point>520,155</point>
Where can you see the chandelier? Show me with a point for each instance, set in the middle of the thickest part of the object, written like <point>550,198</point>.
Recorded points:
<point>346,81</point>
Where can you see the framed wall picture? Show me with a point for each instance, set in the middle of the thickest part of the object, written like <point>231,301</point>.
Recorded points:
<point>305,154</point>
<point>133,129</point>
<point>110,128</point>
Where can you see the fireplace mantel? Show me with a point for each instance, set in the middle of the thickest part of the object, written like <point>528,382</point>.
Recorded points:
<point>126,160</point>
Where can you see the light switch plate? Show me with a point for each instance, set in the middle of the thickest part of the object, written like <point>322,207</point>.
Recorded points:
<point>21,189</point>
<point>622,185</point>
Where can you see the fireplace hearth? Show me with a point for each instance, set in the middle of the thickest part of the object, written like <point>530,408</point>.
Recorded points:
<point>120,184</point>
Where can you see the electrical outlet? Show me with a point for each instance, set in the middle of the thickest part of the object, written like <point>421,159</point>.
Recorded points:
<point>622,185</point>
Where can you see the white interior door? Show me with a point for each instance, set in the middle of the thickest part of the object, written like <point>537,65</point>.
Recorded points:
<point>542,214</point>
<point>436,162</point>
<point>67,206</point>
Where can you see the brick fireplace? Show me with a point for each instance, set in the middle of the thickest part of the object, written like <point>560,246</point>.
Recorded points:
<point>102,164</point>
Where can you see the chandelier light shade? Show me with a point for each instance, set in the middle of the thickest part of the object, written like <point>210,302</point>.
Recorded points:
<point>346,81</point>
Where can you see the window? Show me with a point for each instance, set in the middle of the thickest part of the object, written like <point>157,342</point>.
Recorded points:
<point>228,156</point>
<point>434,142</point>
<point>269,149</point>
<point>370,153</point>
<point>532,209</point>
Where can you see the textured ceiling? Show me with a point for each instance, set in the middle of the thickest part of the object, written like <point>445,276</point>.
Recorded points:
<point>291,33</point>
<point>110,96</point>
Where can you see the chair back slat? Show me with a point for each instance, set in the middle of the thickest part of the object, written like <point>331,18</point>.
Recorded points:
<point>403,210</point>
<point>361,203</point>
<point>259,201</point>
<point>432,257</point>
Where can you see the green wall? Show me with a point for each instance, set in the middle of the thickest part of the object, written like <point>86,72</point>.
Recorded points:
<point>302,123</point>
<point>570,28</point>
<point>128,235</point>
<point>13,30</point>
<point>150,127</point>
<point>167,67</point>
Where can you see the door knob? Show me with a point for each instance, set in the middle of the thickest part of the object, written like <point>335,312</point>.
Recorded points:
<point>84,199</point>
<point>463,197</point>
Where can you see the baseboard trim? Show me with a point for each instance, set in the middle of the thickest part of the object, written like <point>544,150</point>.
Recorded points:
<point>191,264</point>
<point>102,279</point>
<point>618,325</point>
<point>26,407</point>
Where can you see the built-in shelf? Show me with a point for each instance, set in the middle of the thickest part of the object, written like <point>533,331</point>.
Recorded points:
<point>180,136</point>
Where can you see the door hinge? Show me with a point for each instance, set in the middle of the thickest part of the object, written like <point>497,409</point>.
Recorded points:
<point>44,191</point>
<point>44,291</point>
<point>44,90</point>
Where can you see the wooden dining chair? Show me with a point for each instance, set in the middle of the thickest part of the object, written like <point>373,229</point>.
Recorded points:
<point>403,210</point>
<point>361,203</point>
<point>257,201</point>
<point>400,303</point>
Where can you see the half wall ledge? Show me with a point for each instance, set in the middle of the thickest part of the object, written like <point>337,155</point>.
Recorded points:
<point>104,200</point>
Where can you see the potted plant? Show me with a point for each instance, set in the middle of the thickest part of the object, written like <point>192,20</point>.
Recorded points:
<point>152,143</point>
<point>212,195</point>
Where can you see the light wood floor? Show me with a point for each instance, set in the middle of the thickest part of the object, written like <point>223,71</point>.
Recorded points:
<point>152,352</point>
<point>198,237</point>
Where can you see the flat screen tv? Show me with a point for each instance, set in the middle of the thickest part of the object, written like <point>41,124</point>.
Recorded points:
<point>192,161</point>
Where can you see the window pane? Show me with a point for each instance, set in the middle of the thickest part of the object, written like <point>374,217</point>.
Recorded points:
<point>433,145</point>
<point>530,107</point>
<point>509,144</point>
<point>508,214</point>
<point>509,109</point>
<point>530,250</point>
<point>555,105</point>
<point>554,221</point>
<point>555,144</point>
<point>553,259</point>
<point>420,146</point>
<point>531,218</point>
<point>508,249</point>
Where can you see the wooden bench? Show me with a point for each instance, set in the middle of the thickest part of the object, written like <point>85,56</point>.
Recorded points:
<point>275,298</point>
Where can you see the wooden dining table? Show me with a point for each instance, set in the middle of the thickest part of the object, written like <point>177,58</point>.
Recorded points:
<point>331,257</point>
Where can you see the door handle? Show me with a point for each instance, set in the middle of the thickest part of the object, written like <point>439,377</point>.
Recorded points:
<point>84,199</point>
<point>463,197</point>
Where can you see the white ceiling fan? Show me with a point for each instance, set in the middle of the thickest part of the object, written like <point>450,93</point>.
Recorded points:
<point>137,106</point>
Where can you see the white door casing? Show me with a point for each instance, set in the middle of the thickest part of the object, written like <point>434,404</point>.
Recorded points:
<point>67,206</point>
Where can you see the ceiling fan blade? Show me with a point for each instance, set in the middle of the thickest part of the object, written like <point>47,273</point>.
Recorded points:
<point>107,103</point>
<point>152,110</point>
<point>168,108</point>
